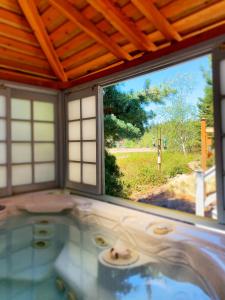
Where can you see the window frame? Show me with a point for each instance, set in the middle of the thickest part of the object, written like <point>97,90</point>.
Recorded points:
<point>78,95</point>
<point>183,55</point>
<point>30,96</point>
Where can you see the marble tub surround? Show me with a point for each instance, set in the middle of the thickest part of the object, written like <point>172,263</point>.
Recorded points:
<point>185,245</point>
<point>46,203</point>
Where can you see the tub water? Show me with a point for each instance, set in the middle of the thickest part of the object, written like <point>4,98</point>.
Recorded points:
<point>38,251</point>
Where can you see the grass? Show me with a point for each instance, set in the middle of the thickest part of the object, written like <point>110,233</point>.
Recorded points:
<point>141,173</point>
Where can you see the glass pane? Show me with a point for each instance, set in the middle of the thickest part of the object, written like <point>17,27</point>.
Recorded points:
<point>3,177</point>
<point>43,132</point>
<point>222,76</point>
<point>21,175</point>
<point>21,131</point>
<point>2,130</point>
<point>21,153</point>
<point>2,106</point>
<point>44,172</point>
<point>89,151</point>
<point>74,110</point>
<point>74,130</point>
<point>2,153</point>
<point>20,109</point>
<point>75,172</point>
<point>89,129</point>
<point>44,152</point>
<point>43,111</point>
<point>74,151</point>
<point>89,174</point>
<point>89,107</point>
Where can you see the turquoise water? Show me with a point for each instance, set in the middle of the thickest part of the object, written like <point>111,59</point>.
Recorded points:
<point>34,254</point>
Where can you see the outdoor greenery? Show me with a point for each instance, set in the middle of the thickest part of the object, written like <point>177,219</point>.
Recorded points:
<point>125,117</point>
<point>141,173</point>
<point>205,104</point>
<point>130,122</point>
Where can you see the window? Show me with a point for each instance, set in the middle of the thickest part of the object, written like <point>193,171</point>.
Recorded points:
<point>159,134</point>
<point>83,137</point>
<point>31,138</point>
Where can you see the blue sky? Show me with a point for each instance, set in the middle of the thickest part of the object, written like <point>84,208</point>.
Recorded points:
<point>191,67</point>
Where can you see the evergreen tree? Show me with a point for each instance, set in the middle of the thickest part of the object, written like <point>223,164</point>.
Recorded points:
<point>205,104</point>
<point>125,117</point>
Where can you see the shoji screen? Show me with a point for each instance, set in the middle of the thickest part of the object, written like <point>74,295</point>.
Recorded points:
<point>28,141</point>
<point>4,174</point>
<point>84,142</point>
<point>219,114</point>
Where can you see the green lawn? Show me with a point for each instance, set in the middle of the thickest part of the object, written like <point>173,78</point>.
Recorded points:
<point>141,173</point>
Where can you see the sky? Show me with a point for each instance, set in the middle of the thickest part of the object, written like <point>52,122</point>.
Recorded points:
<point>191,67</point>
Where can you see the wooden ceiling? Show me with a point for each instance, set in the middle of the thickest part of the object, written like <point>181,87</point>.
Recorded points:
<point>58,43</point>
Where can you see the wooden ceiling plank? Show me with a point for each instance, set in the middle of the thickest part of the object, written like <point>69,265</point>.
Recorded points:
<point>78,18</point>
<point>30,11</point>
<point>178,7</point>
<point>64,33</point>
<point>74,45</point>
<point>121,22</point>
<point>19,35</point>
<point>95,64</point>
<point>11,6</point>
<point>52,19</point>
<point>21,47</point>
<point>79,58</point>
<point>150,11</point>
<point>27,79</point>
<point>24,58</point>
<point>13,65</point>
<point>14,20</point>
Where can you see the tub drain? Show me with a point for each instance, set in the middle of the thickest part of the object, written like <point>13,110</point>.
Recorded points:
<point>40,244</point>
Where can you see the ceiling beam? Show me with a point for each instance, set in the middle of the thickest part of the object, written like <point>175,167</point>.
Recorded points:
<point>74,15</point>
<point>121,22</point>
<point>31,13</point>
<point>150,11</point>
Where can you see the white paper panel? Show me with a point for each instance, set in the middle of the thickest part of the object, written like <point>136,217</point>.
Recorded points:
<point>89,151</point>
<point>74,130</point>
<point>89,174</point>
<point>21,175</point>
<point>89,107</point>
<point>74,109</point>
<point>3,177</point>
<point>222,76</point>
<point>43,111</point>
<point>2,153</point>
<point>43,132</point>
<point>20,109</point>
<point>74,172</point>
<point>2,106</point>
<point>44,172</point>
<point>44,152</point>
<point>21,131</point>
<point>2,130</point>
<point>74,151</point>
<point>21,153</point>
<point>89,129</point>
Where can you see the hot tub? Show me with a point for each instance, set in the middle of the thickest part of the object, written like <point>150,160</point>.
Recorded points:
<point>61,256</point>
